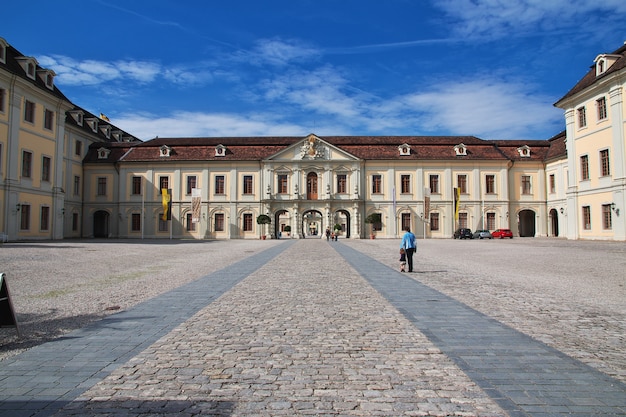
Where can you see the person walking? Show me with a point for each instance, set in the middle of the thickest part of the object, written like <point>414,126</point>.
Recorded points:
<point>409,245</point>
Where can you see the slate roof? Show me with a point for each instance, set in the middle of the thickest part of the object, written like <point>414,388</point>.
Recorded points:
<point>590,78</point>
<point>13,66</point>
<point>364,147</point>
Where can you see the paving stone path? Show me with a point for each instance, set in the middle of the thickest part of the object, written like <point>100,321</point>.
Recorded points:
<point>306,327</point>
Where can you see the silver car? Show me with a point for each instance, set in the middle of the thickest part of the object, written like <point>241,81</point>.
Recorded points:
<point>482,234</point>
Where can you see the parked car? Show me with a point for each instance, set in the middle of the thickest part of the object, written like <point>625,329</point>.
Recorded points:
<point>502,233</point>
<point>463,233</point>
<point>482,234</point>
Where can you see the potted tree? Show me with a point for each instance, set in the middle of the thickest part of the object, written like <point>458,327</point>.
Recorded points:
<point>337,229</point>
<point>373,219</point>
<point>263,219</point>
<point>287,230</point>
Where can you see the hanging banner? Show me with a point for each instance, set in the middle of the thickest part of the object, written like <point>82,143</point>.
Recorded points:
<point>7,314</point>
<point>196,200</point>
<point>457,203</point>
<point>166,201</point>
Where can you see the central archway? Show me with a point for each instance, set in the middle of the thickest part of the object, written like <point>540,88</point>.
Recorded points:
<point>312,224</point>
<point>342,217</point>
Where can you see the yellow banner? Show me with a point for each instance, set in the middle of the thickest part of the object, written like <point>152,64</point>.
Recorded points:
<point>457,202</point>
<point>165,201</point>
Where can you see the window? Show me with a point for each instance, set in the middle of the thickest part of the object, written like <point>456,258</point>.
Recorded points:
<point>282,184</point>
<point>74,222</point>
<point>163,224</point>
<point>220,185</point>
<point>191,226</point>
<point>78,148</point>
<point>552,184</point>
<point>30,70</point>
<point>607,220</point>
<point>582,117</point>
<point>135,224</point>
<point>377,184</point>
<point>342,186</point>
<point>24,217</point>
<point>27,164</point>
<point>247,222</point>
<point>434,184</point>
<point>3,94</point>
<point>219,222</point>
<point>584,167</point>
<point>76,185</point>
<point>461,183</point>
<point>434,221</point>
<point>463,220</point>
<point>247,184</point>
<point>491,221</point>
<point>164,184</point>
<point>45,218</point>
<point>48,119</point>
<point>191,183</point>
<point>604,163</point>
<point>102,186</point>
<point>136,186</point>
<point>405,183</point>
<point>586,217</point>
<point>601,106</point>
<point>406,220</point>
<point>526,186</point>
<point>490,184</point>
<point>45,168</point>
<point>29,111</point>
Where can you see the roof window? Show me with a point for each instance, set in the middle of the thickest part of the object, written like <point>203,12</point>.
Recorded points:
<point>3,51</point>
<point>78,116</point>
<point>603,62</point>
<point>165,151</point>
<point>92,122</point>
<point>220,150</point>
<point>103,153</point>
<point>524,151</point>
<point>460,149</point>
<point>47,76</point>
<point>404,149</point>
<point>29,65</point>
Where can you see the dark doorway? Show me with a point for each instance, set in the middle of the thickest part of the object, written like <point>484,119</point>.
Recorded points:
<point>526,223</point>
<point>101,224</point>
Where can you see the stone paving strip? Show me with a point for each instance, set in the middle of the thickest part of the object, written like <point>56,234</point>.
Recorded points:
<point>305,337</point>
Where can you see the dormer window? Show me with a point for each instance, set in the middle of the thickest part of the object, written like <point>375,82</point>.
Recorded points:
<point>165,151</point>
<point>78,116</point>
<point>92,122</point>
<point>106,131</point>
<point>3,51</point>
<point>103,153</point>
<point>220,150</point>
<point>460,150</point>
<point>604,62</point>
<point>524,151</point>
<point>47,77</point>
<point>29,65</point>
<point>404,149</point>
<point>117,135</point>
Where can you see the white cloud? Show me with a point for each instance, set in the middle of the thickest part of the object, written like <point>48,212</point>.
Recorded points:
<point>277,52</point>
<point>496,18</point>
<point>197,124</point>
<point>491,109</point>
<point>90,72</point>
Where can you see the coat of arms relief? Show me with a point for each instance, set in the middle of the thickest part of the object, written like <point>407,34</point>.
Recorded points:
<point>312,148</point>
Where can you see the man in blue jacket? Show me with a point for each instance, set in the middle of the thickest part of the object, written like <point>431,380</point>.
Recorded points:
<point>409,245</point>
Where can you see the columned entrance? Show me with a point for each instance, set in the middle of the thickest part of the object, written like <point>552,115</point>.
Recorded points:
<point>312,223</point>
<point>342,217</point>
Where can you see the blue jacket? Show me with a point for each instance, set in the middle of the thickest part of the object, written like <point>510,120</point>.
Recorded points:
<point>408,241</point>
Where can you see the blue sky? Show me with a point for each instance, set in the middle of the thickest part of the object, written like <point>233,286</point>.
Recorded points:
<point>489,68</point>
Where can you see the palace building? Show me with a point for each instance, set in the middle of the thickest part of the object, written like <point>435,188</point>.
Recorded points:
<point>67,173</point>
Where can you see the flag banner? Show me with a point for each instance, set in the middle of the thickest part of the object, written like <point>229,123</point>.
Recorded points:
<point>457,203</point>
<point>426,207</point>
<point>166,201</point>
<point>196,199</point>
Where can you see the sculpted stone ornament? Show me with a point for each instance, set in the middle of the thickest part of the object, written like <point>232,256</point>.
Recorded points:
<point>312,149</point>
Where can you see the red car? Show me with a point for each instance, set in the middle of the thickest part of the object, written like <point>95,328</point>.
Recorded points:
<point>502,233</point>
